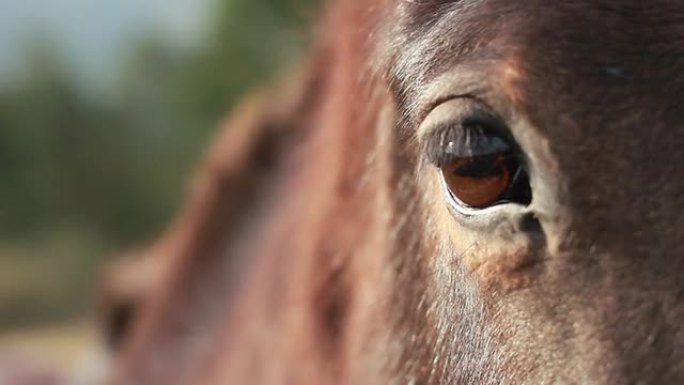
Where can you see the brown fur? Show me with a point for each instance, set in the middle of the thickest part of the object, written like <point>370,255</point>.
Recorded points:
<point>319,248</point>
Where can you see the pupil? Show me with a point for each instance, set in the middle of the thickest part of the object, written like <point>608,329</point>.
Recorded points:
<point>482,166</point>
<point>479,181</point>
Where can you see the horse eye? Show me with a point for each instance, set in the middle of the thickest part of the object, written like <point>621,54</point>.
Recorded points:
<point>482,169</point>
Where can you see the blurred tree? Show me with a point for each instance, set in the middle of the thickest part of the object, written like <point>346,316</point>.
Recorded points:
<point>57,150</point>
<point>84,176</point>
<point>248,42</point>
<point>66,158</point>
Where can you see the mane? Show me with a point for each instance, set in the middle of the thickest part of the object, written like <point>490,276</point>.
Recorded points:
<point>237,199</point>
<point>300,243</point>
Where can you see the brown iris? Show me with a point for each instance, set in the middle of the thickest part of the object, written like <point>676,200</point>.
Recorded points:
<point>480,181</point>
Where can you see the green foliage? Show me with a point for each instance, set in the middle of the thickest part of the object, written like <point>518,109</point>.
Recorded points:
<point>249,41</point>
<point>85,176</point>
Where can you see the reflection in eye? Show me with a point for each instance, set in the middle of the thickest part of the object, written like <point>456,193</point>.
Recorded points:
<point>480,167</point>
<point>478,181</point>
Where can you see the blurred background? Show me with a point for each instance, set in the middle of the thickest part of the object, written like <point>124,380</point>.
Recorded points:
<point>105,108</point>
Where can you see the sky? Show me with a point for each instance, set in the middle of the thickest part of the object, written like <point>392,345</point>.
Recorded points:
<point>94,34</point>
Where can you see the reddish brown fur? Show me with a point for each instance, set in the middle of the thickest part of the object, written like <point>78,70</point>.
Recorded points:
<point>317,248</point>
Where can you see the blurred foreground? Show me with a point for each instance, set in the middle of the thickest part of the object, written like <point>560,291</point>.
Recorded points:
<point>94,166</point>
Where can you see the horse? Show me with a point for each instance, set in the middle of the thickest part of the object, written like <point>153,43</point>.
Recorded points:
<point>446,192</point>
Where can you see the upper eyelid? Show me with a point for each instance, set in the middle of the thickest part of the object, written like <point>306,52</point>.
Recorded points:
<point>435,133</point>
<point>435,142</point>
<point>428,108</point>
<point>465,81</point>
<point>456,113</point>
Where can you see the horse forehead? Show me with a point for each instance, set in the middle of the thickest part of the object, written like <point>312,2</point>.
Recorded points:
<point>601,79</point>
<point>605,67</point>
<point>603,49</point>
<point>600,66</point>
<point>604,78</point>
<point>593,45</point>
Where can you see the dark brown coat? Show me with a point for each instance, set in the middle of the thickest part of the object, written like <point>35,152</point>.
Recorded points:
<point>319,248</point>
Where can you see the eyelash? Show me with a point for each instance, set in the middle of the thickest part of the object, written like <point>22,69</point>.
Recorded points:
<point>439,138</point>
